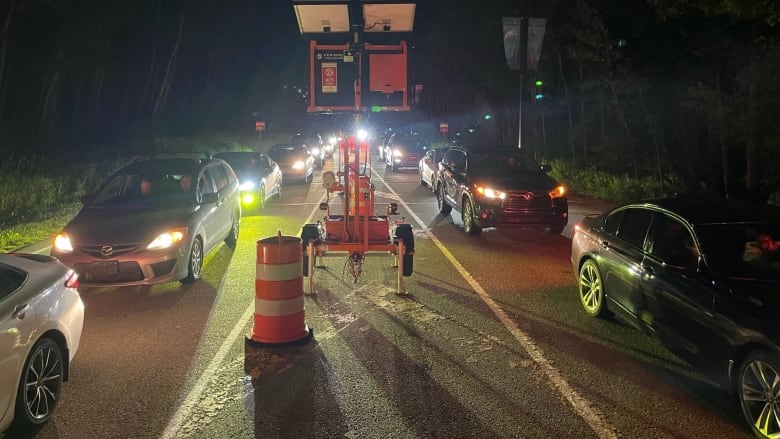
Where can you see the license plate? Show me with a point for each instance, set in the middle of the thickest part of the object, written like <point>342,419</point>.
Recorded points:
<point>104,268</point>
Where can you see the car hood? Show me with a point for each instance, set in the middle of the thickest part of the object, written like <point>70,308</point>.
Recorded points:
<point>507,182</point>
<point>128,224</point>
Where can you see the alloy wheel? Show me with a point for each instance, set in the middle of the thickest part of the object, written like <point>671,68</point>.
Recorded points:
<point>591,289</point>
<point>759,394</point>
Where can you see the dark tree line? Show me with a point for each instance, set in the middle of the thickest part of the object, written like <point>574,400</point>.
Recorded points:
<point>678,90</point>
<point>672,89</point>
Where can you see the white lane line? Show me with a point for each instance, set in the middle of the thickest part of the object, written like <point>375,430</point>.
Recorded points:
<point>191,400</point>
<point>582,406</point>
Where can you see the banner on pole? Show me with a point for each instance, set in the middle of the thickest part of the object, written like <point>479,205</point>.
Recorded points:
<point>512,42</point>
<point>535,39</point>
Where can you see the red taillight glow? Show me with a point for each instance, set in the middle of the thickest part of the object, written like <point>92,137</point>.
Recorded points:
<point>72,279</point>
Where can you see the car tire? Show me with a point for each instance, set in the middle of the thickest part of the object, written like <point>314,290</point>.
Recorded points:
<point>279,188</point>
<point>758,391</point>
<point>308,232</point>
<point>261,198</point>
<point>42,377</point>
<point>444,208</point>
<point>591,289</point>
<point>467,216</point>
<point>422,180</point>
<point>404,232</point>
<point>232,237</point>
<point>195,262</point>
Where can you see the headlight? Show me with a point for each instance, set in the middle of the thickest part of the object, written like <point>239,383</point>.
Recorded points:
<point>558,192</point>
<point>167,239</point>
<point>315,151</point>
<point>333,140</point>
<point>63,244</point>
<point>298,165</point>
<point>247,185</point>
<point>397,153</point>
<point>248,199</point>
<point>491,193</point>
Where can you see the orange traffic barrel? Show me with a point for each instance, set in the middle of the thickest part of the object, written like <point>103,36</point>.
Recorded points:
<point>279,308</point>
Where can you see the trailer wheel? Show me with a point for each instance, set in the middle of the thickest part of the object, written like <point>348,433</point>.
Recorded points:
<point>404,232</point>
<point>309,231</point>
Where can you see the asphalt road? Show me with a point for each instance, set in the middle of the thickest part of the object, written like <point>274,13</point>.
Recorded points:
<point>489,341</point>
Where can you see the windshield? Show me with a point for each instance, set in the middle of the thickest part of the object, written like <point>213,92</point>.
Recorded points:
<point>286,154</point>
<point>412,145</point>
<point>503,162</point>
<point>138,189</point>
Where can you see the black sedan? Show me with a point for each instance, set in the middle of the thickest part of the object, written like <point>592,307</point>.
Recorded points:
<point>684,271</point>
<point>296,161</point>
<point>498,186</point>
<point>259,176</point>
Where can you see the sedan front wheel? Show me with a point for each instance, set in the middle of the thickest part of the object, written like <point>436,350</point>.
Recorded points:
<point>592,290</point>
<point>759,393</point>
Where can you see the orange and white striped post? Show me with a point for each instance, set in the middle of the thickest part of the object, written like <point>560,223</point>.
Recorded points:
<point>279,301</point>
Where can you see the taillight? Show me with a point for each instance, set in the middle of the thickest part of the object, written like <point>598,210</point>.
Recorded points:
<point>72,279</point>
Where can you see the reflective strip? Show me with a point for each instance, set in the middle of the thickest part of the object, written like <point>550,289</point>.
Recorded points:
<point>279,272</point>
<point>279,308</point>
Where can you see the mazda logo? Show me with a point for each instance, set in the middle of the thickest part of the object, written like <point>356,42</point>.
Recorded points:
<point>106,250</point>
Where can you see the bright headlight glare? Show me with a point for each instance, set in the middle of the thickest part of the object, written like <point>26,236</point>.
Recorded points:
<point>62,243</point>
<point>315,151</point>
<point>247,185</point>
<point>558,192</point>
<point>488,192</point>
<point>397,153</point>
<point>298,165</point>
<point>333,140</point>
<point>167,239</point>
<point>362,134</point>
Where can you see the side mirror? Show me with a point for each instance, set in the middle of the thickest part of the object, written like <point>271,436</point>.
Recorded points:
<point>211,197</point>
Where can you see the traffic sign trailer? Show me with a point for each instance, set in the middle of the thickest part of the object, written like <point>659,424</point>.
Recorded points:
<point>358,231</point>
<point>373,78</point>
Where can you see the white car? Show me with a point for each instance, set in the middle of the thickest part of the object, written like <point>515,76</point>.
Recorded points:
<point>41,317</point>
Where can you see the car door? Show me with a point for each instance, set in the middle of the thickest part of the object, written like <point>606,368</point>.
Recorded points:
<point>426,167</point>
<point>623,255</point>
<point>17,324</point>
<point>679,299</point>
<point>453,176</point>
<point>270,174</point>
<point>210,219</point>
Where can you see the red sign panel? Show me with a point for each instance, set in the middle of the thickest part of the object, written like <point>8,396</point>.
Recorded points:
<point>443,127</point>
<point>260,125</point>
<point>329,77</point>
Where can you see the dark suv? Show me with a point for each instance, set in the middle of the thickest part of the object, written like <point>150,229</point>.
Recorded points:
<point>498,186</point>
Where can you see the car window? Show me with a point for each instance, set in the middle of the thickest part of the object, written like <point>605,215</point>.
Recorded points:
<point>633,228</point>
<point>456,159</point>
<point>612,222</point>
<point>672,242</point>
<point>205,185</point>
<point>218,174</point>
<point>11,279</point>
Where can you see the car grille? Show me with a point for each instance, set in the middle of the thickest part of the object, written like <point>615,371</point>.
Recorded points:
<point>109,272</point>
<point>523,200</point>
<point>107,251</point>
